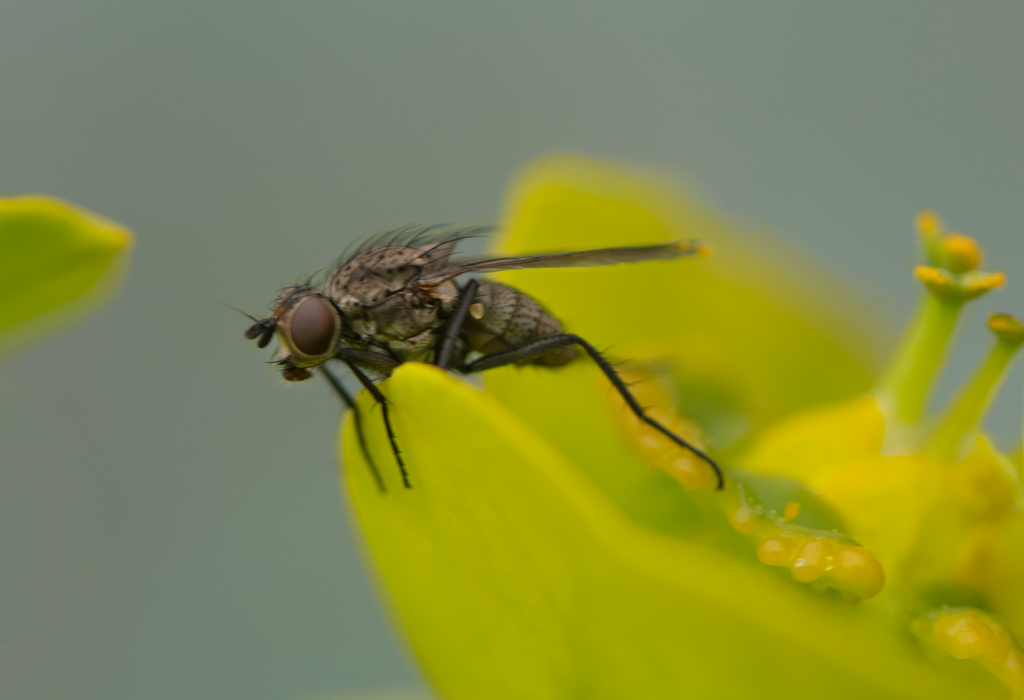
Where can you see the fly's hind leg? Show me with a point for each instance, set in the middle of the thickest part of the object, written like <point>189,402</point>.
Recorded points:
<point>545,345</point>
<point>357,417</point>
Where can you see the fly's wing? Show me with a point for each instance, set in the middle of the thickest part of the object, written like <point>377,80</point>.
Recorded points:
<point>579,258</point>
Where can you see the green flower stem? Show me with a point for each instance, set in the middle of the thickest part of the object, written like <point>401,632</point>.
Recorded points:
<point>962,418</point>
<point>920,352</point>
<point>1017,457</point>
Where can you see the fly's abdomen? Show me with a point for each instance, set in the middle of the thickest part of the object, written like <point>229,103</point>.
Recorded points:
<point>503,318</point>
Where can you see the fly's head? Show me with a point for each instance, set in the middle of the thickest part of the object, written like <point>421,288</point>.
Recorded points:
<point>308,326</point>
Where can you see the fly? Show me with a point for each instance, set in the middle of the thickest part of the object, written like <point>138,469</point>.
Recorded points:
<point>395,299</point>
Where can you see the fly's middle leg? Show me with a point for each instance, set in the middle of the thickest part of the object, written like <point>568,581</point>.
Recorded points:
<point>382,400</point>
<point>451,334</point>
<point>546,345</point>
<point>357,418</point>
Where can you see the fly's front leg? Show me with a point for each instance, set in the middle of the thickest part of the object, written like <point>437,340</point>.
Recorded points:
<point>382,400</point>
<point>546,345</point>
<point>451,334</point>
<point>357,417</point>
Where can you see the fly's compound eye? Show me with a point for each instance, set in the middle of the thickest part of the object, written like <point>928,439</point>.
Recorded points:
<point>312,326</point>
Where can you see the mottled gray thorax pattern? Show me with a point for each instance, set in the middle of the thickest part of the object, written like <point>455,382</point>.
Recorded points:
<point>384,307</point>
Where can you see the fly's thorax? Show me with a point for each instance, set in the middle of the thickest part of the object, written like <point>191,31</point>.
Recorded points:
<point>373,275</point>
<point>417,348</point>
<point>405,333</point>
<point>385,304</point>
<point>308,327</point>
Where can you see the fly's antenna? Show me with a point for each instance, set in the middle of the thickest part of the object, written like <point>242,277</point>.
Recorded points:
<point>235,308</point>
<point>262,328</point>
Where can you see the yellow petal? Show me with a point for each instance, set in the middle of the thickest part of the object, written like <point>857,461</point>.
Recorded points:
<point>882,500</point>
<point>1002,573</point>
<point>512,576</point>
<point>55,261</point>
<point>399,694</point>
<point>973,503</point>
<point>755,332</point>
<point>806,445</point>
<point>968,633</point>
<point>575,409</point>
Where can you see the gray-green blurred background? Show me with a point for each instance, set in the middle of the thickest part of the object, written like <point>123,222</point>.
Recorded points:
<point>170,525</point>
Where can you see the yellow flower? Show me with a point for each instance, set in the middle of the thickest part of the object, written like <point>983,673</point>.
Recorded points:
<point>552,548</point>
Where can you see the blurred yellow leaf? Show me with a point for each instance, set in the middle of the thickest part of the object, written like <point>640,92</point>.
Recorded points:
<point>397,694</point>
<point>540,555</point>
<point>753,333</point>
<point>56,260</point>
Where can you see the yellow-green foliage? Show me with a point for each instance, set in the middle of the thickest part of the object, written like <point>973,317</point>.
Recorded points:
<point>55,261</point>
<point>538,555</point>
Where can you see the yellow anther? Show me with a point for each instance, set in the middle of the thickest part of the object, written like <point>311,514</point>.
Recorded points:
<point>777,551</point>
<point>966,633</point>
<point>983,284</point>
<point>657,450</point>
<point>1006,326</point>
<point>940,284</point>
<point>928,223</point>
<point>690,471</point>
<point>961,253</point>
<point>810,555</point>
<point>705,251</point>
<point>856,570</point>
<point>844,566</point>
<point>812,560</point>
<point>742,519</point>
